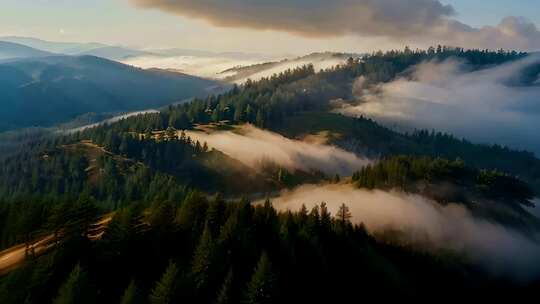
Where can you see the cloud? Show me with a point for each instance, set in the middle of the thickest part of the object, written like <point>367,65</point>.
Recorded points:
<point>313,17</point>
<point>511,33</point>
<point>251,146</point>
<point>412,21</point>
<point>210,67</point>
<point>484,106</point>
<point>214,66</point>
<point>318,64</point>
<point>502,251</point>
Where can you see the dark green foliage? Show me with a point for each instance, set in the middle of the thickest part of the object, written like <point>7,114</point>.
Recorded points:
<point>262,288</point>
<point>203,260</point>
<point>260,256</point>
<point>225,293</point>
<point>166,288</point>
<point>366,137</point>
<point>76,290</point>
<point>423,174</point>
<point>132,295</point>
<point>181,244</point>
<point>490,194</point>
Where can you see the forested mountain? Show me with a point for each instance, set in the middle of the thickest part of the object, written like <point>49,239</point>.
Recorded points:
<point>190,224</point>
<point>50,90</point>
<point>320,61</point>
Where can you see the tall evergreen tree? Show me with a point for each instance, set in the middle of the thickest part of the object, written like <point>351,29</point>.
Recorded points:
<point>166,287</point>
<point>132,295</point>
<point>76,289</point>
<point>343,215</point>
<point>262,287</point>
<point>202,260</point>
<point>225,293</point>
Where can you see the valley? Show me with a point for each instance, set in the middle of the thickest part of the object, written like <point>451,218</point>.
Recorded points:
<point>264,180</point>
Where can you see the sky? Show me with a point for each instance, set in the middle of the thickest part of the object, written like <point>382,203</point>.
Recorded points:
<point>275,26</point>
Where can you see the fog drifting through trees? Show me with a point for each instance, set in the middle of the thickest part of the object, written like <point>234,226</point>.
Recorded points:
<point>251,145</point>
<point>492,105</point>
<point>421,221</point>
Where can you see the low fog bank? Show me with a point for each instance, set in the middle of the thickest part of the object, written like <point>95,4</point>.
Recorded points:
<point>252,146</point>
<point>503,251</point>
<point>484,106</point>
<point>215,66</point>
<point>318,64</point>
<point>208,67</point>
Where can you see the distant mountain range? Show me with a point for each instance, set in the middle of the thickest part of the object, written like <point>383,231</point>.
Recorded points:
<point>117,53</point>
<point>229,66</point>
<point>43,91</point>
<point>9,50</point>
<point>67,48</point>
<point>45,83</point>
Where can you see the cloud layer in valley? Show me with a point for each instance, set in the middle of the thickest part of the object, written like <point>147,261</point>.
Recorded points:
<point>502,251</point>
<point>209,67</point>
<point>221,67</point>
<point>251,146</point>
<point>424,21</point>
<point>483,106</point>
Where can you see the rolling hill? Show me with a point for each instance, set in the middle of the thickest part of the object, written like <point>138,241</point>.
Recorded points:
<point>50,90</point>
<point>320,61</point>
<point>67,48</point>
<point>9,50</point>
<point>43,47</point>
<point>188,211</point>
<point>114,53</point>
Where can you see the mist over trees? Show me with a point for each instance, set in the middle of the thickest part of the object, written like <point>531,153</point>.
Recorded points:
<point>184,229</point>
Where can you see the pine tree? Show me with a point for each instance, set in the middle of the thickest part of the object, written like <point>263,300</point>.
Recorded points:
<point>165,290</point>
<point>263,285</point>
<point>76,290</point>
<point>326,217</point>
<point>131,295</point>
<point>215,213</point>
<point>259,120</point>
<point>239,113</point>
<point>202,259</point>
<point>344,215</point>
<point>225,293</point>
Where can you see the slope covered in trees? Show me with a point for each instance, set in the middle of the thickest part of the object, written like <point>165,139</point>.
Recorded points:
<point>295,103</point>
<point>207,251</point>
<point>181,232</point>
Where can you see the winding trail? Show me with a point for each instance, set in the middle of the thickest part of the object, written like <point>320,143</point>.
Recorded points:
<point>15,256</point>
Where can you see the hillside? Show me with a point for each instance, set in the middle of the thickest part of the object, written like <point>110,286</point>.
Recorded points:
<point>265,192</point>
<point>66,48</point>
<point>10,50</point>
<point>52,90</point>
<point>115,53</point>
<point>255,72</point>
